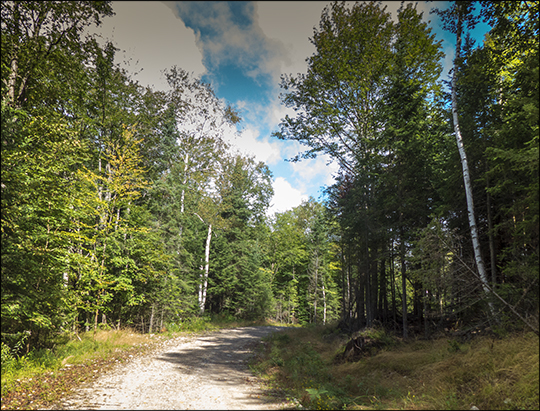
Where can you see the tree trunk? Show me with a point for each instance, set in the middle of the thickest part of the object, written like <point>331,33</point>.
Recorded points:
<point>383,296</point>
<point>14,69</point>
<point>360,301</point>
<point>203,285</point>
<point>324,301</point>
<point>425,296</point>
<point>403,285</point>
<point>95,322</point>
<point>343,281</point>
<point>466,176</point>
<point>492,253</point>
<point>316,290</point>
<point>393,285</point>
<point>13,76</point>
<point>374,275</point>
<point>151,320</point>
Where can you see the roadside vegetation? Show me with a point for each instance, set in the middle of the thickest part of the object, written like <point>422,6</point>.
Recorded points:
<point>486,371</point>
<point>41,378</point>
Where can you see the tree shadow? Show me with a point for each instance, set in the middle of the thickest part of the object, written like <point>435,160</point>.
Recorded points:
<point>221,358</point>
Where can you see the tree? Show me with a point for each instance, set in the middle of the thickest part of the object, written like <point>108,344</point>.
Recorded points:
<point>287,257</point>
<point>366,101</point>
<point>122,182</point>
<point>39,197</point>
<point>454,19</point>
<point>42,48</point>
<point>338,96</point>
<point>238,283</point>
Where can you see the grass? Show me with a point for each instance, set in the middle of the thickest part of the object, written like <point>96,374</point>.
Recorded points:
<point>43,377</point>
<point>419,374</point>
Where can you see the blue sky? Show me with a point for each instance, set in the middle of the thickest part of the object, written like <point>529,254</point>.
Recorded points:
<point>241,49</point>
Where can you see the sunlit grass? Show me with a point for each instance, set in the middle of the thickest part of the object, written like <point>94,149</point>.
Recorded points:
<point>439,374</point>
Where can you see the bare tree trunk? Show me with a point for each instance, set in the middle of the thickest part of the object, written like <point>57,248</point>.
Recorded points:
<point>203,285</point>
<point>403,284</point>
<point>151,320</point>
<point>12,80</point>
<point>316,287</point>
<point>425,296</point>
<point>465,166</point>
<point>393,286</point>
<point>13,76</point>
<point>324,300</point>
<point>492,253</point>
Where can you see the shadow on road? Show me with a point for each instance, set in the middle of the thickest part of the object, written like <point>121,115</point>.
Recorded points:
<point>220,358</point>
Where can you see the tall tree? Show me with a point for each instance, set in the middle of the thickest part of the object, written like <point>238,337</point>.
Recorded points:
<point>454,19</point>
<point>364,101</point>
<point>238,282</point>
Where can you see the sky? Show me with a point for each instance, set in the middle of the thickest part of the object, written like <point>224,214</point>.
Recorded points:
<point>242,49</point>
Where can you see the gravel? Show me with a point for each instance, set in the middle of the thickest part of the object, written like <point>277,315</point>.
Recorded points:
<point>204,372</point>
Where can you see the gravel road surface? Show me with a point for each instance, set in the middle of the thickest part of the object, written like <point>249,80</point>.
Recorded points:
<point>204,372</point>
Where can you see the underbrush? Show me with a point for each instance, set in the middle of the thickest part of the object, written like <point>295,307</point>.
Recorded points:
<point>42,377</point>
<point>488,373</point>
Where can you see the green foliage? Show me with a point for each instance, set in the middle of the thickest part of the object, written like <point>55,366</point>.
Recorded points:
<point>125,206</point>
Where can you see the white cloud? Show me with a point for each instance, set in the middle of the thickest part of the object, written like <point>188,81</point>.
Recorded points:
<point>153,39</point>
<point>320,169</point>
<point>286,196</point>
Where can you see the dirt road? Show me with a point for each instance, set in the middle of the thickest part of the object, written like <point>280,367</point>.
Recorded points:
<point>206,372</point>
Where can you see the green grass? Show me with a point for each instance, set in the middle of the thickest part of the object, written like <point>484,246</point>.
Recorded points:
<point>437,374</point>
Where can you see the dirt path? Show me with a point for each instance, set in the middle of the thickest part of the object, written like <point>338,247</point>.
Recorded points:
<point>206,372</point>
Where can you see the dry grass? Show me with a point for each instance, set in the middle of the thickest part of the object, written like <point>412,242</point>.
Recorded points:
<point>438,374</point>
<point>122,337</point>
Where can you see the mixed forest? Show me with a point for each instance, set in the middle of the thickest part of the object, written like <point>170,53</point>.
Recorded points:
<point>123,206</point>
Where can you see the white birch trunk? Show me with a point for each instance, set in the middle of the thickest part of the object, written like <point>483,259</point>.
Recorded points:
<point>203,285</point>
<point>13,77</point>
<point>324,301</point>
<point>151,320</point>
<point>182,196</point>
<point>316,283</point>
<point>466,176</point>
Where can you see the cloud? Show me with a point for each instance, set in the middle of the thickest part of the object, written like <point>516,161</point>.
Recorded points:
<point>286,196</point>
<point>290,23</point>
<point>227,33</point>
<point>151,39</point>
<point>320,169</point>
<point>247,141</point>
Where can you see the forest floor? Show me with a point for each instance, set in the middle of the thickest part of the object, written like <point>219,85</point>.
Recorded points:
<point>205,371</point>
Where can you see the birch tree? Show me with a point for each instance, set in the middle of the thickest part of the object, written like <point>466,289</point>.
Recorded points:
<point>454,18</point>
<point>202,121</point>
